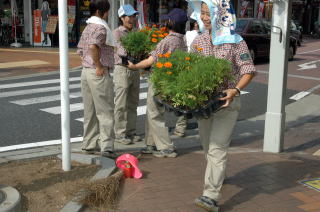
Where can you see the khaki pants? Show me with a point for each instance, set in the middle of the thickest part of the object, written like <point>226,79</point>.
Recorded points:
<point>98,100</point>
<point>156,130</point>
<point>127,88</point>
<point>181,124</point>
<point>215,134</point>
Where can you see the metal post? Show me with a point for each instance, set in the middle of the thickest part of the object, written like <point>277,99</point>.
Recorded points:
<point>64,83</point>
<point>278,69</point>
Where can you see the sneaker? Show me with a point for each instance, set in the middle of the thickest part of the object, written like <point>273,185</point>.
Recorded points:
<point>88,151</point>
<point>165,153</point>
<point>148,150</point>
<point>135,138</point>
<point>207,203</point>
<point>178,133</point>
<point>124,140</point>
<point>109,154</point>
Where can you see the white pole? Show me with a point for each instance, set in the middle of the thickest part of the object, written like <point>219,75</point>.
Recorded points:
<point>278,70</point>
<point>64,83</point>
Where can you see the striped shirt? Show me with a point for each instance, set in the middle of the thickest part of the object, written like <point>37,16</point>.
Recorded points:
<point>237,54</point>
<point>95,34</point>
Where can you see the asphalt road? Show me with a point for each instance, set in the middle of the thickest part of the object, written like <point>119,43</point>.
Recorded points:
<point>30,105</point>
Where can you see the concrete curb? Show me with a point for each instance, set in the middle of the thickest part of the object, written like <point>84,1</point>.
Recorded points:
<point>11,201</point>
<point>107,167</point>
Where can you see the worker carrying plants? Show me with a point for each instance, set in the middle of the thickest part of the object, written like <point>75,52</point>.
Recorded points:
<point>157,136</point>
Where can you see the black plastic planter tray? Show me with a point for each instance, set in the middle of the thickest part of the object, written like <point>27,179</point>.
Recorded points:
<point>133,60</point>
<point>212,106</point>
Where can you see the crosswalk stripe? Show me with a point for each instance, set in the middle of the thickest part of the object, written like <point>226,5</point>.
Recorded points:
<point>35,91</point>
<point>44,99</point>
<point>141,110</point>
<point>57,110</point>
<point>40,82</point>
<point>77,106</point>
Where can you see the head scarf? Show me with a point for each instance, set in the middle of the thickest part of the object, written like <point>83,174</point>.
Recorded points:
<point>223,20</point>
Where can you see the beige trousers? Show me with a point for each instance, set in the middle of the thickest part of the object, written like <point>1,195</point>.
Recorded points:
<point>98,100</point>
<point>127,88</point>
<point>215,136</point>
<point>157,133</point>
<point>181,124</point>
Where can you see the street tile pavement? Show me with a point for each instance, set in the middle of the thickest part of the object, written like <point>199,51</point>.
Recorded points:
<point>254,182</point>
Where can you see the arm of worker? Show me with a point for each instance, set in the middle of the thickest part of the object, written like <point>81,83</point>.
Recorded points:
<point>95,55</point>
<point>243,62</point>
<point>143,64</point>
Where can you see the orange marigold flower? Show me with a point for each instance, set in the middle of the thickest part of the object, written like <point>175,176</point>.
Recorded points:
<point>169,72</point>
<point>199,49</point>
<point>167,55</point>
<point>158,32</point>
<point>154,40</point>
<point>165,34</point>
<point>159,65</point>
<point>187,58</point>
<point>160,55</point>
<point>154,25</point>
<point>163,29</point>
<point>168,65</point>
<point>161,36</point>
<point>154,35</point>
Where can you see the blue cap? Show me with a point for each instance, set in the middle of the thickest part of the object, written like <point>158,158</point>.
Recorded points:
<point>126,10</point>
<point>177,15</point>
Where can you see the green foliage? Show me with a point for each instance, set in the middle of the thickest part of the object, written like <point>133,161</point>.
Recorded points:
<point>191,81</point>
<point>139,44</point>
<point>136,43</point>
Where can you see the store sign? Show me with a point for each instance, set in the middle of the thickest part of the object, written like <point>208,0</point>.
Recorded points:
<point>37,26</point>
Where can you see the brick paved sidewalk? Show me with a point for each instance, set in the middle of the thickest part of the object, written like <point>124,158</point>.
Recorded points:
<point>255,182</point>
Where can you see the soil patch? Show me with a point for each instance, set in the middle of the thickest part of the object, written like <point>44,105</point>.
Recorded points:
<point>43,184</point>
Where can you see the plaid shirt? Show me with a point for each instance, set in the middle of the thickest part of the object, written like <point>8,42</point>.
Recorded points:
<point>120,51</point>
<point>95,34</point>
<point>170,43</point>
<point>237,54</point>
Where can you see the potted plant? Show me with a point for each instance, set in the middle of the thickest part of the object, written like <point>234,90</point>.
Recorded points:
<point>139,44</point>
<point>187,83</point>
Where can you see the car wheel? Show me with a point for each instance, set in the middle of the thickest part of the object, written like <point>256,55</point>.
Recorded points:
<point>291,53</point>
<point>252,54</point>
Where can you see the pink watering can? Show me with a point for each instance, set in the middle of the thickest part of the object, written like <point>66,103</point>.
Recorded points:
<point>129,165</point>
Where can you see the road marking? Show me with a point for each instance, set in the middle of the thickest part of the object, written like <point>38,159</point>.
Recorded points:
<point>57,110</point>
<point>22,63</point>
<point>37,144</point>
<point>309,65</point>
<point>299,95</point>
<point>309,51</point>
<point>143,95</point>
<point>44,99</point>
<point>293,75</point>
<point>244,92</point>
<point>141,110</point>
<point>144,85</point>
<point>304,93</point>
<point>35,91</point>
<point>40,82</point>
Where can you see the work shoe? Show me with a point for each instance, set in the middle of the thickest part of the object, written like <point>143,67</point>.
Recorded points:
<point>109,154</point>
<point>179,133</point>
<point>207,203</point>
<point>135,138</point>
<point>88,151</point>
<point>165,153</point>
<point>148,150</point>
<point>124,140</point>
